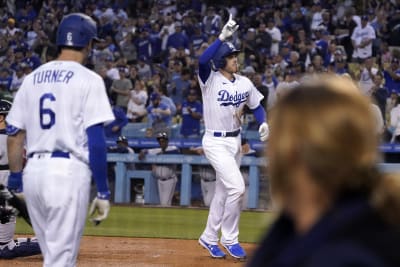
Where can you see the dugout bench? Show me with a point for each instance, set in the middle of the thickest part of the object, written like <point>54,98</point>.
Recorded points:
<point>123,176</point>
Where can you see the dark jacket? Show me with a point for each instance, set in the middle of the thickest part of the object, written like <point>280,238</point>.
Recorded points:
<point>349,235</point>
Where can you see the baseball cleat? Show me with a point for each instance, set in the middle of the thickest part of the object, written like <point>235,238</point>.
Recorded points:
<point>235,251</point>
<point>214,250</point>
<point>18,248</point>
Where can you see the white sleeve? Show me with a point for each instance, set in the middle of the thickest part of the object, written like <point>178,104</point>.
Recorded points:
<point>254,98</point>
<point>97,108</point>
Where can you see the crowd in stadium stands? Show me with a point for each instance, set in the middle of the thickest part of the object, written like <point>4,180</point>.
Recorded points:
<point>148,59</point>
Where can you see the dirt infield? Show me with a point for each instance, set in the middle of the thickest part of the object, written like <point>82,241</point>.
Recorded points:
<point>122,251</point>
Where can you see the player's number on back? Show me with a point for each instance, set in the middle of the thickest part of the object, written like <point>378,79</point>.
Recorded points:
<point>47,116</point>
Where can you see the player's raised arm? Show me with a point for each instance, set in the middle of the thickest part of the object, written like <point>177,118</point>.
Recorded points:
<point>205,59</point>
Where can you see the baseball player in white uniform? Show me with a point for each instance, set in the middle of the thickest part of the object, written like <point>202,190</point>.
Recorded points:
<point>224,95</point>
<point>164,173</point>
<point>59,112</point>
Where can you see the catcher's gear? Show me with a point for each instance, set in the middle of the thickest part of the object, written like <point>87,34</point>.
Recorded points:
<point>102,206</point>
<point>229,29</point>
<point>263,130</point>
<point>226,49</point>
<point>11,205</point>
<point>76,30</point>
<point>5,106</point>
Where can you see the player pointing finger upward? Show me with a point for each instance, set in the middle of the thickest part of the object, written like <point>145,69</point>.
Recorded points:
<point>225,93</point>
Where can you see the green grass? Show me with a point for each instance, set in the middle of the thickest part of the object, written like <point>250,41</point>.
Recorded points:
<point>181,223</point>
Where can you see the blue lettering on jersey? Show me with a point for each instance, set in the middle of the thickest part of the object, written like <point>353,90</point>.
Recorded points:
<point>52,76</point>
<point>235,99</point>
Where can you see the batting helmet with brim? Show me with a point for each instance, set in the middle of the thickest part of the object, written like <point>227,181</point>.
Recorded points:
<point>76,30</point>
<point>5,106</point>
<point>162,135</point>
<point>122,139</point>
<point>226,49</point>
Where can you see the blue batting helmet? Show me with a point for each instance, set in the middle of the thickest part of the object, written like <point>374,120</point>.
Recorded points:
<point>76,30</point>
<point>226,49</point>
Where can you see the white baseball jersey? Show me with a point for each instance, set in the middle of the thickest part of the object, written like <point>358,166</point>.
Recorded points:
<point>223,101</point>
<point>361,34</point>
<point>56,104</point>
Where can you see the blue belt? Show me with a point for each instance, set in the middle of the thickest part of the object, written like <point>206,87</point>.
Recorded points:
<point>54,154</point>
<point>227,134</point>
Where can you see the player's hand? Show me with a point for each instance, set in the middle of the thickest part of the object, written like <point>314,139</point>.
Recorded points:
<point>15,181</point>
<point>229,29</point>
<point>101,206</point>
<point>263,130</point>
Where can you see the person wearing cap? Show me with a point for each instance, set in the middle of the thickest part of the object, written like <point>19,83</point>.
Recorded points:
<point>164,173</point>
<point>158,114</point>
<point>362,38</point>
<point>10,30</point>
<point>143,43</point>
<point>122,87</point>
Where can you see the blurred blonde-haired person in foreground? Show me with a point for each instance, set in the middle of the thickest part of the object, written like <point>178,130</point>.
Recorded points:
<point>335,207</point>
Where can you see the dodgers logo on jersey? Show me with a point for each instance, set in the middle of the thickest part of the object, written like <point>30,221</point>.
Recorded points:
<point>235,99</point>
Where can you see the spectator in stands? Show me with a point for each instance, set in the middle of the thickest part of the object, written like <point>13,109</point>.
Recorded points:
<point>164,173</point>
<point>362,39</point>
<point>392,75</point>
<point>211,21</point>
<point>5,79</point>
<point>165,99</point>
<point>395,121</point>
<point>178,39</point>
<point>333,196</point>
<point>122,87</point>
<point>159,115</point>
<point>198,38</point>
<point>32,59</point>
<point>344,31</point>
<point>366,76</point>
<point>114,128</point>
<point>17,78</point>
<point>379,93</point>
<point>128,48</point>
<point>143,43</point>
<point>143,68</point>
<point>180,83</point>
<point>102,71</point>
<point>263,89</point>
<point>192,113</point>
<point>137,102</point>
<point>276,36</point>
<point>270,81</point>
